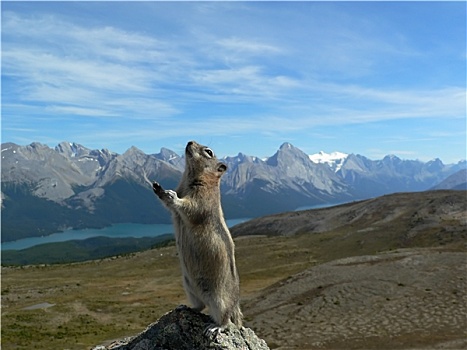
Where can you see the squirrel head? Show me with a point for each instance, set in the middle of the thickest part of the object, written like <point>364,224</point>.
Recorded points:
<point>202,164</point>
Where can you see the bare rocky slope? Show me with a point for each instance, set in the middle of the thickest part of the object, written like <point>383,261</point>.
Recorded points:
<point>409,299</point>
<point>399,298</point>
<point>457,181</point>
<point>429,212</point>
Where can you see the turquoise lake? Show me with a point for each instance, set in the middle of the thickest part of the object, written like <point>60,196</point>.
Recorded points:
<point>115,231</point>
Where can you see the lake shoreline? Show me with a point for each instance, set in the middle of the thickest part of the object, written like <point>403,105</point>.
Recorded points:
<point>133,230</point>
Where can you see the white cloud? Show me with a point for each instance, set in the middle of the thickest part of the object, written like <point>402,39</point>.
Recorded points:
<point>79,68</point>
<point>72,110</point>
<point>80,71</point>
<point>49,68</point>
<point>245,46</point>
<point>71,64</point>
<point>108,72</point>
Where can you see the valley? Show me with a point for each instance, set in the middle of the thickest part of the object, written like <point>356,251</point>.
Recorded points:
<point>47,190</point>
<point>400,284</point>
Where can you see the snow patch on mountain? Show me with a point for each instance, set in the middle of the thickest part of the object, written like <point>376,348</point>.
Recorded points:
<point>335,160</point>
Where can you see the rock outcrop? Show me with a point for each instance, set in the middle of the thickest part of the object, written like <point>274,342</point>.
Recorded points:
<point>183,329</point>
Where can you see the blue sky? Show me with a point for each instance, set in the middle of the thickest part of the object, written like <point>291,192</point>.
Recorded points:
<point>371,78</point>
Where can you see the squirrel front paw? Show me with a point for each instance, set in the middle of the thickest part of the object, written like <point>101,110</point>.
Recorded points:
<point>167,196</point>
<point>170,194</point>
<point>158,190</point>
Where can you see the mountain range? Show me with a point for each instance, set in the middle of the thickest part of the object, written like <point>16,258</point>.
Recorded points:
<point>45,190</point>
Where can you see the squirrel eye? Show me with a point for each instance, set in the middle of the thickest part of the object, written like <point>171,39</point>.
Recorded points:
<point>209,152</point>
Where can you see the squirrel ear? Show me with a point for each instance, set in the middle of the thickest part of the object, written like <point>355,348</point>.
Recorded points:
<point>221,167</point>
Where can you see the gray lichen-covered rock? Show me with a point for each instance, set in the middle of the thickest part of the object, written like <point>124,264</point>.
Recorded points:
<point>183,329</point>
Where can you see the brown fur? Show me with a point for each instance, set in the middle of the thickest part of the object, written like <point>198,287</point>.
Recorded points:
<point>204,243</point>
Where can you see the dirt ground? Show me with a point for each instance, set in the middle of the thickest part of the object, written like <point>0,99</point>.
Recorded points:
<point>412,299</point>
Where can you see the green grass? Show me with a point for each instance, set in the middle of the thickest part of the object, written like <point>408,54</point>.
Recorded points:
<point>80,250</point>
<point>112,298</point>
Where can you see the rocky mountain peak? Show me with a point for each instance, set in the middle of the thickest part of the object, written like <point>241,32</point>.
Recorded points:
<point>103,155</point>
<point>37,145</point>
<point>36,148</point>
<point>71,149</point>
<point>355,163</point>
<point>241,158</point>
<point>133,151</point>
<point>286,146</point>
<point>286,155</point>
<point>166,155</point>
<point>435,165</point>
<point>391,158</point>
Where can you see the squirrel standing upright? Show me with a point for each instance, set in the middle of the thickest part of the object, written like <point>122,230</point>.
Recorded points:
<point>205,246</point>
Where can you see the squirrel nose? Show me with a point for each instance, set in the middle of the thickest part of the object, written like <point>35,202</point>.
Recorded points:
<point>190,143</point>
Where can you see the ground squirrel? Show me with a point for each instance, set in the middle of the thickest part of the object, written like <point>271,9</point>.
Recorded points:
<point>205,246</point>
